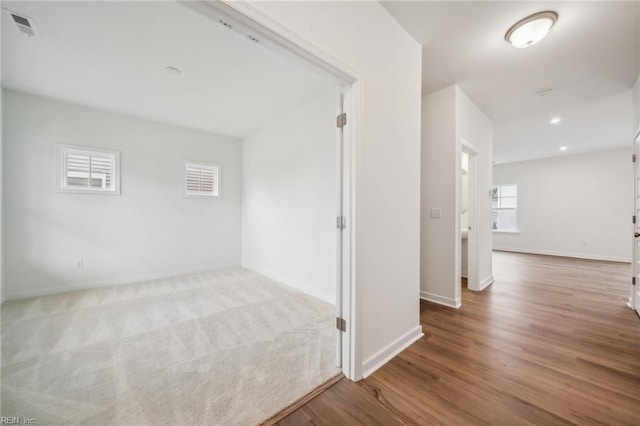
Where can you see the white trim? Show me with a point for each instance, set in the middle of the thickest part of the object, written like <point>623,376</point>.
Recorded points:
<point>469,146</point>
<point>486,283</point>
<point>354,154</point>
<point>440,300</point>
<point>216,168</point>
<point>340,233</point>
<point>133,279</point>
<point>504,231</point>
<point>564,254</point>
<point>280,38</point>
<point>634,227</point>
<point>61,169</point>
<point>390,351</point>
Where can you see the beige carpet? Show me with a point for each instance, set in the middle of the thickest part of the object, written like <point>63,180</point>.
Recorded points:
<point>228,347</point>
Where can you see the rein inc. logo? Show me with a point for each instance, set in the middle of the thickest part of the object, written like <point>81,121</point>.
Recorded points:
<point>17,421</point>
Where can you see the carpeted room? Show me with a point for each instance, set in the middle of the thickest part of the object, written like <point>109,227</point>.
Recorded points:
<point>140,293</point>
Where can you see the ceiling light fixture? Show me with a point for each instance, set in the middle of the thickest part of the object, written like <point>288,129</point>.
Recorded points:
<point>555,120</point>
<point>531,30</point>
<point>173,71</point>
<point>563,148</point>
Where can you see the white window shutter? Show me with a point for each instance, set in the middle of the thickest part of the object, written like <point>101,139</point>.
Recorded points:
<point>89,170</point>
<point>202,180</point>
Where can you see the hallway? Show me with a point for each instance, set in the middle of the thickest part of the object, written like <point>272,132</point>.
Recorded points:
<point>550,342</point>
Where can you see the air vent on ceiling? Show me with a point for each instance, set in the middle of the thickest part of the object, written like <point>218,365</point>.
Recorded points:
<point>24,24</point>
<point>546,92</point>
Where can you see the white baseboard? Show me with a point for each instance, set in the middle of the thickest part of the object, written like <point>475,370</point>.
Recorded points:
<point>430,297</point>
<point>486,282</point>
<point>464,274</point>
<point>391,350</point>
<point>121,281</point>
<point>564,254</point>
<point>292,283</point>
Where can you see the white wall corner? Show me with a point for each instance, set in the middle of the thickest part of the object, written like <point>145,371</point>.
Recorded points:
<point>440,300</point>
<point>486,282</point>
<point>390,351</point>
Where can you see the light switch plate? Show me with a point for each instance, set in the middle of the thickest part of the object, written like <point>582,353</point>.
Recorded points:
<point>436,213</point>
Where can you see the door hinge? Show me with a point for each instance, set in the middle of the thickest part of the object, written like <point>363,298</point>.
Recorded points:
<point>633,156</point>
<point>633,280</point>
<point>341,324</point>
<point>341,222</point>
<point>341,120</point>
<point>633,219</point>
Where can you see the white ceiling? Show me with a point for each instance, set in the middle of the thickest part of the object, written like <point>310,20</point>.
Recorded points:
<point>590,57</point>
<point>113,55</point>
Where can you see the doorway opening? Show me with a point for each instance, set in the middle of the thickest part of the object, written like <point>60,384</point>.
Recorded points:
<point>467,251</point>
<point>250,22</point>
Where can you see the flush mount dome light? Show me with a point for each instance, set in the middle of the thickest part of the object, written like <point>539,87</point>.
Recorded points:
<point>531,30</point>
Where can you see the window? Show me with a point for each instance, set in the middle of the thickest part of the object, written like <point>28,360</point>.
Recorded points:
<point>201,180</point>
<point>504,202</point>
<point>89,170</point>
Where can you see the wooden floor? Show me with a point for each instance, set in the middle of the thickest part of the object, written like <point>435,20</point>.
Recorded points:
<point>550,342</point>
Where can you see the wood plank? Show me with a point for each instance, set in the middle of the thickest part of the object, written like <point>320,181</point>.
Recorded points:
<point>550,342</point>
<point>302,401</point>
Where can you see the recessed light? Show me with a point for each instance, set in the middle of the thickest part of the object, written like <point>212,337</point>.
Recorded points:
<point>531,30</point>
<point>173,71</point>
<point>563,148</point>
<point>555,120</point>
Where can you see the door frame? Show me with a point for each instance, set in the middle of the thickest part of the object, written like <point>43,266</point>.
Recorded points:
<point>250,21</point>
<point>635,227</point>
<point>473,282</point>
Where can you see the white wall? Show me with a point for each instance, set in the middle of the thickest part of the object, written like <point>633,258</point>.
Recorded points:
<point>440,166</point>
<point>2,295</point>
<point>149,230</point>
<point>2,292</point>
<point>289,198</point>
<point>448,116</point>
<point>566,201</point>
<point>387,62</point>
<point>636,86</point>
<point>636,106</point>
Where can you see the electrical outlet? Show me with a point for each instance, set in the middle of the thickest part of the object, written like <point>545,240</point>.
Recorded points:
<point>78,264</point>
<point>436,213</point>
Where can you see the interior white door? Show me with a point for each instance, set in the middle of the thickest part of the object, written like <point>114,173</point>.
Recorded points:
<point>635,289</point>
<point>340,224</point>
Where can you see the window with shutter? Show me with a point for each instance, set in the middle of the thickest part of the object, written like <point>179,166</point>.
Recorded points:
<point>201,180</point>
<point>504,204</point>
<point>89,170</point>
